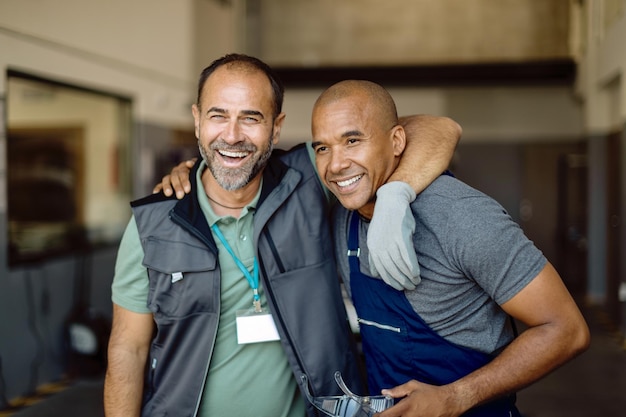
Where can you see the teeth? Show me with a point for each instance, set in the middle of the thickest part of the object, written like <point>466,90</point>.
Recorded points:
<point>349,181</point>
<point>232,154</point>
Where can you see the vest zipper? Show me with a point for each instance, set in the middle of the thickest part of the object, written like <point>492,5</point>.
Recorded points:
<point>270,242</point>
<point>189,227</point>
<point>380,326</point>
<point>270,294</point>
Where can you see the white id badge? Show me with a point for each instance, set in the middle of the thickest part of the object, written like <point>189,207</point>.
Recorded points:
<point>255,327</point>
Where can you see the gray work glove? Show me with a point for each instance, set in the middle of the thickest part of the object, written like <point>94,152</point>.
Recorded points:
<point>390,237</point>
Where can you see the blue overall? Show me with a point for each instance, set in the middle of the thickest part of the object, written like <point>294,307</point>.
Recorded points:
<point>399,346</point>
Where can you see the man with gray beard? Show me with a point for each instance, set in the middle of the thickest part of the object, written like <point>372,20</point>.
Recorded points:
<point>235,178</point>
<point>223,299</point>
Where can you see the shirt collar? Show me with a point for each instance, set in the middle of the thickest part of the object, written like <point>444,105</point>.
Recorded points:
<point>205,206</point>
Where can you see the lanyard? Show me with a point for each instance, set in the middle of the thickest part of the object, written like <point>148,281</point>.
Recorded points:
<point>253,279</point>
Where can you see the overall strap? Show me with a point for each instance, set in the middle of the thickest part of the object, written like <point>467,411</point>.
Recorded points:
<point>353,242</point>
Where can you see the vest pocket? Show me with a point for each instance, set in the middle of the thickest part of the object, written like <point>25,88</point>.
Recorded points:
<point>183,278</point>
<point>172,256</point>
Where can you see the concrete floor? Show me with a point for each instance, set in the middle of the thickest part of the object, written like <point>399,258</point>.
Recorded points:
<point>594,384</point>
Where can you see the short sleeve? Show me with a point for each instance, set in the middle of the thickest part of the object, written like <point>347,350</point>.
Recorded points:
<point>130,283</point>
<point>491,248</point>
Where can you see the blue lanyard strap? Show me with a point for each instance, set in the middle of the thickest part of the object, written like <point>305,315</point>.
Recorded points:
<point>253,279</point>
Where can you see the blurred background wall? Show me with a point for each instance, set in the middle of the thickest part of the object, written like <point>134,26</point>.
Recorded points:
<point>536,85</point>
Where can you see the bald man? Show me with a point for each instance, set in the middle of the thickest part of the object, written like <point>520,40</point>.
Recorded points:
<point>447,347</point>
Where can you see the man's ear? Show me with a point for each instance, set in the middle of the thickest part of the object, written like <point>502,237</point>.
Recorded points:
<point>278,124</point>
<point>196,119</point>
<point>398,137</point>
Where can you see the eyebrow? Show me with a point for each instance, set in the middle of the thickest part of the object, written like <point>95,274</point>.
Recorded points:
<point>216,110</point>
<point>253,113</point>
<point>346,134</point>
<point>244,112</point>
<point>352,133</point>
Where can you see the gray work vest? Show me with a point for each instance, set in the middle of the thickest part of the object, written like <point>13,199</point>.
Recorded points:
<point>297,268</point>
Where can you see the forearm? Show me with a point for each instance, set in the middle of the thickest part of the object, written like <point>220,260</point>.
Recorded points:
<point>129,345</point>
<point>534,354</point>
<point>123,385</point>
<point>431,141</point>
<point>556,332</point>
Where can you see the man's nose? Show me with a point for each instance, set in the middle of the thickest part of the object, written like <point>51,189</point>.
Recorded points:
<point>338,160</point>
<point>232,131</point>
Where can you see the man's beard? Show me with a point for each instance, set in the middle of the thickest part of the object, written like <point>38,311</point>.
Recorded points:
<point>232,179</point>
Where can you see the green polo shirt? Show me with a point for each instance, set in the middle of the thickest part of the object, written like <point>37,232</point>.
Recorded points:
<point>244,380</point>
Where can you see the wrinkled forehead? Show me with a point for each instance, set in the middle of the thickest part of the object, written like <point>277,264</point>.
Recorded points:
<point>238,86</point>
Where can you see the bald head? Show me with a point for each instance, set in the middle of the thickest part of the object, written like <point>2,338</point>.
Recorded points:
<point>370,96</point>
<point>357,141</point>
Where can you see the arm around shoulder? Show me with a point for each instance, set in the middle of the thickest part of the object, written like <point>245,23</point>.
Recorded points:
<point>430,145</point>
<point>178,179</point>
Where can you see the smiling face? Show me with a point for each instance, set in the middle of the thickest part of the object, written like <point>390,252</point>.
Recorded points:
<point>357,143</point>
<point>235,125</point>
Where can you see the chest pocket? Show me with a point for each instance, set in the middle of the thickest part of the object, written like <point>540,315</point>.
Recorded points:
<point>183,278</point>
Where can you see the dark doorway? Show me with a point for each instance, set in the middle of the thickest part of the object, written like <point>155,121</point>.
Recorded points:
<point>572,221</point>
<point>613,227</point>
<point>554,207</point>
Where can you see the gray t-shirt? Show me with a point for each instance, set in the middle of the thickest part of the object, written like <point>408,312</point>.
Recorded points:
<point>473,257</point>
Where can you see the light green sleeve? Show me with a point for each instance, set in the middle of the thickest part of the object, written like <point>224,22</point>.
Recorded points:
<point>130,283</point>
<point>330,197</point>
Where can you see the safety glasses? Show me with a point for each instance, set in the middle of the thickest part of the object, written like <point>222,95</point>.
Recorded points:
<point>348,405</point>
